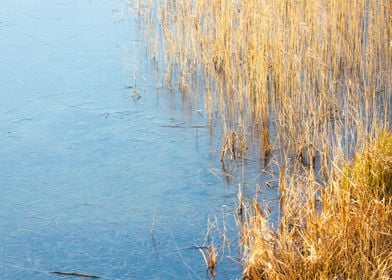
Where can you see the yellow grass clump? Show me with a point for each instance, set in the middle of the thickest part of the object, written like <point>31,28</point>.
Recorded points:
<point>347,234</point>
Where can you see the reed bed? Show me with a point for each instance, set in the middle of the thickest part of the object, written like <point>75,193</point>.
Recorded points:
<point>310,82</point>
<point>291,73</point>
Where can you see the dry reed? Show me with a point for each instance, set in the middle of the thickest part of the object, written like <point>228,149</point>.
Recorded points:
<point>300,72</point>
<point>311,82</point>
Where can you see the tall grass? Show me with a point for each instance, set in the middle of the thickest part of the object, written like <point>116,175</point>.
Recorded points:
<point>303,73</point>
<point>311,83</point>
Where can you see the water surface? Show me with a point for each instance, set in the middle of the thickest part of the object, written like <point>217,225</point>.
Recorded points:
<point>86,171</point>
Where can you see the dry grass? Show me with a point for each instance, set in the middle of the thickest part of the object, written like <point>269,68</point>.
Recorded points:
<point>345,235</point>
<point>210,259</point>
<point>311,83</point>
<point>291,73</point>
